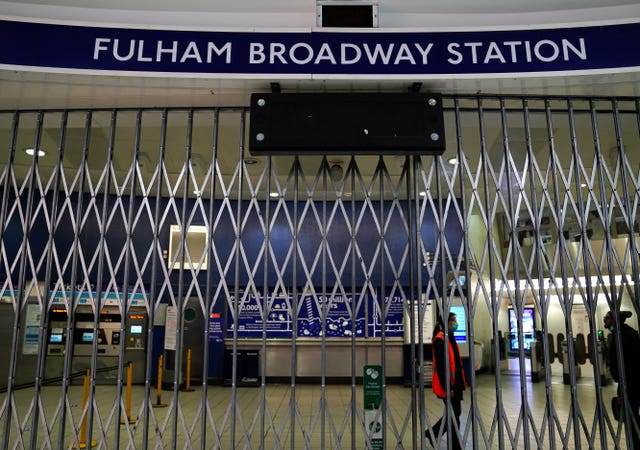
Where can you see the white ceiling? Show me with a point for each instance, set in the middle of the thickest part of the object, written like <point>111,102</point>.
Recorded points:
<point>24,89</point>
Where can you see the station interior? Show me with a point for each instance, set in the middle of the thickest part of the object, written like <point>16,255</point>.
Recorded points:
<point>172,278</point>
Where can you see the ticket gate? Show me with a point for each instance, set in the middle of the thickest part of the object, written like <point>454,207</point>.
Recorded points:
<point>602,358</point>
<point>537,360</point>
<point>193,327</point>
<point>566,365</point>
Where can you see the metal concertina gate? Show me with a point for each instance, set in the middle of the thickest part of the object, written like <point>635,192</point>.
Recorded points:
<point>544,191</point>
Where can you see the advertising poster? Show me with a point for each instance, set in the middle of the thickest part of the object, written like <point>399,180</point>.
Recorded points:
<point>32,330</point>
<point>250,319</point>
<point>394,310</point>
<point>339,310</point>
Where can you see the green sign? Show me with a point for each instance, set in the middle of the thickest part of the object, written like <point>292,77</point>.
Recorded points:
<point>372,382</point>
<point>372,387</point>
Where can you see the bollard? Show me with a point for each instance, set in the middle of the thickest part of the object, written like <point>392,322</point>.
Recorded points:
<point>159,403</point>
<point>188,387</point>
<point>127,400</point>
<point>82,443</point>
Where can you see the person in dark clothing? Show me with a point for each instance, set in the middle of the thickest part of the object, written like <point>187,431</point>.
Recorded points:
<point>630,341</point>
<point>455,372</point>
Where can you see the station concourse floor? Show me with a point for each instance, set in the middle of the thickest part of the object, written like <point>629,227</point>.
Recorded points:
<point>181,427</point>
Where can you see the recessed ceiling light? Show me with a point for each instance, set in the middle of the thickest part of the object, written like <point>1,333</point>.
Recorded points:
<point>251,161</point>
<point>453,161</point>
<point>274,195</point>
<point>422,193</point>
<point>32,151</point>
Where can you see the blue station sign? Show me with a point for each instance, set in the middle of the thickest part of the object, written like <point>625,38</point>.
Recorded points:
<point>392,54</point>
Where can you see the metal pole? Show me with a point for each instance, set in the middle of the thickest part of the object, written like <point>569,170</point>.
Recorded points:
<point>209,286</point>
<point>44,314</point>
<point>157,259</point>
<point>20,300</point>
<point>71,303</point>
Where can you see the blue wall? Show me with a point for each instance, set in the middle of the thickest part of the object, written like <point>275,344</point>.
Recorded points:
<point>309,238</point>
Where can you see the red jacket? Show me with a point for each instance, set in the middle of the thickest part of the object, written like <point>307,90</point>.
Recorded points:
<point>439,386</point>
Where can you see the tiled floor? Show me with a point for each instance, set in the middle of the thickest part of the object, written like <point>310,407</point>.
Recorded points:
<point>323,417</point>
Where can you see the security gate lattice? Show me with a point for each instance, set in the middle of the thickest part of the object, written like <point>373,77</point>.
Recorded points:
<point>165,215</point>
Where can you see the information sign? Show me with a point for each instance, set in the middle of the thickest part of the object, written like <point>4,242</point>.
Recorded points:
<point>372,385</point>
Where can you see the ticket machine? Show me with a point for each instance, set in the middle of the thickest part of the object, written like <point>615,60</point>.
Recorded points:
<point>135,339</point>
<point>113,333</point>
<point>56,342</point>
<point>107,335</point>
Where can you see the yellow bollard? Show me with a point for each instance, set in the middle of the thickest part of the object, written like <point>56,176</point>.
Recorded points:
<point>82,443</point>
<point>188,382</point>
<point>127,400</point>
<point>159,403</point>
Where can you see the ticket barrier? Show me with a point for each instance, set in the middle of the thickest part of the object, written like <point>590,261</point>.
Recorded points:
<point>537,359</point>
<point>193,323</point>
<point>108,337</point>
<point>602,355</point>
<point>566,366</point>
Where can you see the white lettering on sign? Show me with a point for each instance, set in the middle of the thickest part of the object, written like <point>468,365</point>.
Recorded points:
<point>277,50</point>
<point>256,53</point>
<point>325,54</point>
<point>378,53</point>
<point>160,51</point>
<point>341,53</point>
<point>424,52</point>
<point>544,50</point>
<point>172,51</point>
<point>305,55</point>
<point>349,53</point>
<point>302,53</point>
